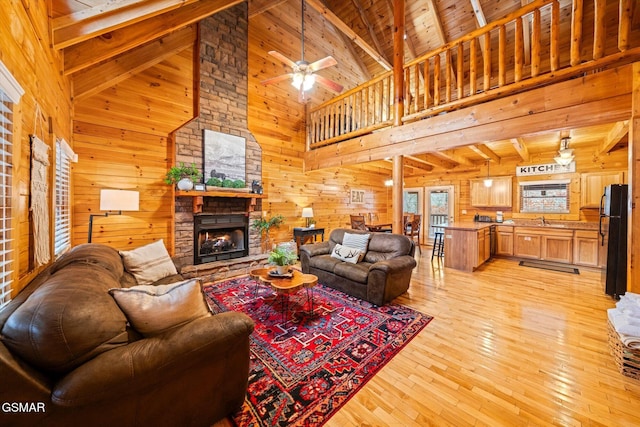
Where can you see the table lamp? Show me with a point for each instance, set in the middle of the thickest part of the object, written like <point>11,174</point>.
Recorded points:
<point>308,214</point>
<point>115,200</point>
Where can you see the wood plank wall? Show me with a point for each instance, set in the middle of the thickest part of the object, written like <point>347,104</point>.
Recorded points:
<point>24,50</point>
<point>121,136</point>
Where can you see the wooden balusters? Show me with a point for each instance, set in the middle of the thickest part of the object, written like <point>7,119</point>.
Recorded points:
<point>525,59</point>
<point>576,31</point>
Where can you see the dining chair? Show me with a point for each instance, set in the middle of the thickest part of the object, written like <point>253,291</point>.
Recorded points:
<point>358,222</point>
<point>413,229</point>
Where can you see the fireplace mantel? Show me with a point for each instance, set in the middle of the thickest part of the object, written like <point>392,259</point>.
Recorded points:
<point>198,197</point>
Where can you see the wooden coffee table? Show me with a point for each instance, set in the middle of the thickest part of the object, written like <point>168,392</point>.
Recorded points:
<point>284,286</point>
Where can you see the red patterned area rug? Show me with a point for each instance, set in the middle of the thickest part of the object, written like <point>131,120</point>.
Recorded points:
<point>305,367</point>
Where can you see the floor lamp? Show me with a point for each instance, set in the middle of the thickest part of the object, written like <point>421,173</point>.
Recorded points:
<point>115,200</point>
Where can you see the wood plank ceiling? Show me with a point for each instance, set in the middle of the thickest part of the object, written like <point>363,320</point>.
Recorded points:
<point>106,42</point>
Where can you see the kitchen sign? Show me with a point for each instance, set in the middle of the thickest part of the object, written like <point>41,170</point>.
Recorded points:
<point>550,168</point>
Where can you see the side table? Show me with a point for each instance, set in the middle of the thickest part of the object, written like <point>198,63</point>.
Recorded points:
<point>301,233</point>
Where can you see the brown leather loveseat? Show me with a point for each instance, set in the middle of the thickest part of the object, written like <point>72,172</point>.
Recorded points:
<point>69,358</point>
<point>382,273</point>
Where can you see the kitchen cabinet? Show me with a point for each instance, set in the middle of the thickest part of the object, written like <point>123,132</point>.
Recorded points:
<point>504,238</point>
<point>467,245</point>
<point>484,247</point>
<point>586,248</point>
<point>545,243</point>
<point>557,246</point>
<point>526,244</point>
<point>592,186</point>
<point>498,195</point>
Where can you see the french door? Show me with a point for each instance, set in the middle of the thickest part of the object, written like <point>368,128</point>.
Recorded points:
<point>439,205</point>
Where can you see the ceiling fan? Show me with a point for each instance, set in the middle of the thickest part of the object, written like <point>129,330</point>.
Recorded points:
<point>302,75</point>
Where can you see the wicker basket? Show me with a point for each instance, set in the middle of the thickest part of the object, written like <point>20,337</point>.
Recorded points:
<point>627,359</point>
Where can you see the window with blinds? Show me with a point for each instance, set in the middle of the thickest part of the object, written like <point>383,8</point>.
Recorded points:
<point>545,197</point>
<point>6,227</point>
<point>62,233</point>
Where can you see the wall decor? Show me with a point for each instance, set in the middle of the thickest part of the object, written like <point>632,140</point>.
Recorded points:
<point>357,197</point>
<point>223,156</point>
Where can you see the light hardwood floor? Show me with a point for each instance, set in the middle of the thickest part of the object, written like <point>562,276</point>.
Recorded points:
<point>508,346</point>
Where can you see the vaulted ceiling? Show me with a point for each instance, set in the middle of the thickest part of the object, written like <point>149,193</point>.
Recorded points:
<point>106,42</point>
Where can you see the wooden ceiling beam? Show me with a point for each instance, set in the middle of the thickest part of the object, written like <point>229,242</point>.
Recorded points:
<point>258,7</point>
<point>108,45</point>
<point>437,159</point>
<point>95,21</point>
<point>352,35</point>
<point>479,13</point>
<point>417,163</point>
<point>521,148</point>
<point>95,79</point>
<point>484,151</point>
<point>617,132</point>
<point>455,156</point>
<point>367,24</point>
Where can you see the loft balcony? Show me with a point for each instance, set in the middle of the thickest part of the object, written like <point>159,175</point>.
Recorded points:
<point>543,43</point>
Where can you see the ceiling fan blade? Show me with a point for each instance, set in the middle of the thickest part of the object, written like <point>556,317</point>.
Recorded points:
<point>329,61</point>
<point>282,58</point>
<point>329,84</point>
<point>276,79</point>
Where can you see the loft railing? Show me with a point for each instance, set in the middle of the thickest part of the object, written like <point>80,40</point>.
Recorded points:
<point>542,43</point>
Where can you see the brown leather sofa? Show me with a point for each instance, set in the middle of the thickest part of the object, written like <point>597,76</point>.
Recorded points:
<point>383,274</point>
<point>68,357</point>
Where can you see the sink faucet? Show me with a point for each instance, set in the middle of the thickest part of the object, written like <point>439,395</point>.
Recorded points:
<point>542,221</point>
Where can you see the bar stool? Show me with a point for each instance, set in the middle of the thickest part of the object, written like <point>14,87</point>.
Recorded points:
<point>438,245</point>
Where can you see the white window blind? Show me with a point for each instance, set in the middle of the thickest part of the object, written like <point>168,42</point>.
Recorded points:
<point>6,227</point>
<point>62,233</point>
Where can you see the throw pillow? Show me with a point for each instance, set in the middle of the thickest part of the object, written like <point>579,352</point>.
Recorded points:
<point>149,263</point>
<point>358,241</point>
<point>347,254</point>
<point>152,310</point>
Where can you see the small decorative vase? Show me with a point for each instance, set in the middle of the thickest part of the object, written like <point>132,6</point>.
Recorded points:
<point>185,184</point>
<point>282,269</point>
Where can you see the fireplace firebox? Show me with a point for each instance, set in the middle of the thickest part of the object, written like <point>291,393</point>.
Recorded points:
<point>219,237</point>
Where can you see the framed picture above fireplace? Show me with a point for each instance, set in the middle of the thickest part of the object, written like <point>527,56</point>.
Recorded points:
<point>223,156</point>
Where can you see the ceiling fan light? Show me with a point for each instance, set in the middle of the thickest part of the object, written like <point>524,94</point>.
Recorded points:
<point>298,79</point>
<point>309,80</point>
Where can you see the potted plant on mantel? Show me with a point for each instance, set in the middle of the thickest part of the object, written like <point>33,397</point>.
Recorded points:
<point>264,225</point>
<point>183,176</point>
<point>282,258</point>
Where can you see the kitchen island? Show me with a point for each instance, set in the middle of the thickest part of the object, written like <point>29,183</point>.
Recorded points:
<point>467,244</point>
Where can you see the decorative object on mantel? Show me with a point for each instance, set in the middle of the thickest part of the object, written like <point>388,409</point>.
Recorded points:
<point>256,187</point>
<point>264,225</point>
<point>184,176</point>
<point>215,184</point>
<point>224,158</point>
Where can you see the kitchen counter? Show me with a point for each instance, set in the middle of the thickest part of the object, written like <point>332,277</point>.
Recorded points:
<point>467,244</point>
<point>467,225</point>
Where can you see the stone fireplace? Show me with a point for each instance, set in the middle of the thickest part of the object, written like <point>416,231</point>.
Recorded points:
<point>223,107</point>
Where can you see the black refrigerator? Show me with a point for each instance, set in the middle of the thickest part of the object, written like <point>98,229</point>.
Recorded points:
<point>613,232</point>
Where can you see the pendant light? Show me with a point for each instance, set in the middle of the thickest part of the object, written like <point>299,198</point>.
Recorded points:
<point>565,154</point>
<point>488,182</point>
